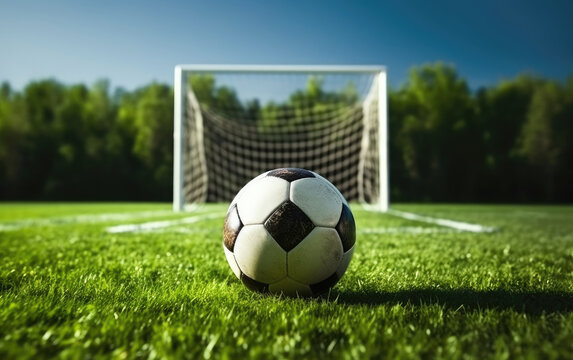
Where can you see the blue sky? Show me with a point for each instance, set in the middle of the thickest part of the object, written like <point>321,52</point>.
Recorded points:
<point>135,42</point>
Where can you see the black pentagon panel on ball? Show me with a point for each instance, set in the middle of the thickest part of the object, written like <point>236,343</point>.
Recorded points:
<point>291,174</point>
<point>324,285</point>
<point>346,228</point>
<point>232,227</point>
<point>254,284</point>
<point>288,225</point>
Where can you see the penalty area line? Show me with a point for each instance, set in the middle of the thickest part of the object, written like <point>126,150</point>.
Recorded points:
<point>154,225</point>
<point>458,225</point>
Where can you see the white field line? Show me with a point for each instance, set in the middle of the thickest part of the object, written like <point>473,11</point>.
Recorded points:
<point>155,225</point>
<point>407,230</point>
<point>458,225</point>
<point>83,218</point>
<point>189,229</point>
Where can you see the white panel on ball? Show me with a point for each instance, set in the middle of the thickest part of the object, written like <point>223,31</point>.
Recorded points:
<point>344,263</point>
<point>259,256</point>
<point>260,197</point>
<point>232,262</point>
<point>317,257</point>
<point>236,198</point>
<point>290,287</point>
<point>334,187</point>
<point>319,201</point>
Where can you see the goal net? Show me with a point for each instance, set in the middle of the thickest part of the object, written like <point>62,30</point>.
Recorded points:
<point>233,123</point>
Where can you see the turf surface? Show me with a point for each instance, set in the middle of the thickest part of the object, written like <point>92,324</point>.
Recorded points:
<point>70,289</point>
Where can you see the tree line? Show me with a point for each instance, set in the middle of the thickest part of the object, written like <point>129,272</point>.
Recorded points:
<point>75,142</point>
<point>506,143</point>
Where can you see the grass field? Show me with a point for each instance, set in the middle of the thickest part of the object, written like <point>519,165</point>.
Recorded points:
<point>76,284</point>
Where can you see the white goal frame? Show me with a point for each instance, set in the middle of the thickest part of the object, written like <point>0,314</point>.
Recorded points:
<point>182,72</point>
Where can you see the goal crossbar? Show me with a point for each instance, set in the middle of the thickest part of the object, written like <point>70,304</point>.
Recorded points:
<point>281,68</point>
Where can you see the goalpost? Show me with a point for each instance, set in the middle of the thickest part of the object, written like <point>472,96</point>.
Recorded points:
<point>233,122</point>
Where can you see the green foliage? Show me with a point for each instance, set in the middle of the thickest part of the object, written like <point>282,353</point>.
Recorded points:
<point>212,96</point>
<point>502,113</point>
<point>69,289</point>
<point>509,142</point>
<point>433,128</point>
<point>74,142</point>
<point>539,142</point>
<point>505,143</point>
<point>154,131</point>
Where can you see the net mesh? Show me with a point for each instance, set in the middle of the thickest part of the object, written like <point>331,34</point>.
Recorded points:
<point>238,125</point>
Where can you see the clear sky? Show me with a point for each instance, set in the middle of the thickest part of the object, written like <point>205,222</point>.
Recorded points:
<point>135,42</point>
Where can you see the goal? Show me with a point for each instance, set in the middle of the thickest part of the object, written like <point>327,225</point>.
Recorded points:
<point>234,122</point>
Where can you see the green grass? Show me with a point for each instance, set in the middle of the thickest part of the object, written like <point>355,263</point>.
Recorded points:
<point>70,289</point>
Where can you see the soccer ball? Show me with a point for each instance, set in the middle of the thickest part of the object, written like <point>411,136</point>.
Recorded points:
<point>289,231</point>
